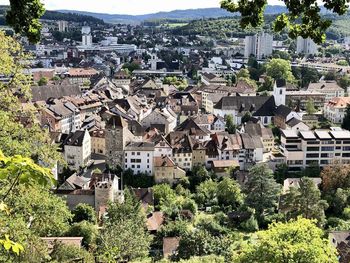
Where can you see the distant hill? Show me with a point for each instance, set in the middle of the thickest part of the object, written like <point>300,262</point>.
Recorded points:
<point>189,14</point>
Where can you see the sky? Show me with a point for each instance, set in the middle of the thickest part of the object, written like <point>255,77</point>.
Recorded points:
<point>132,7</point>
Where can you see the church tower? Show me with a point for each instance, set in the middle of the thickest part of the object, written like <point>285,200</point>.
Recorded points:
<point>279,92</point>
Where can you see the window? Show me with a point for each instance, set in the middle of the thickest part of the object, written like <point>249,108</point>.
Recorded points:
<point>346,148</point>
<point>132,166</point>
<point>312,155</point>
<point>138,166</point>
<point>327,148</point>
<point>126,160</point>
<point>138,153</point>
<point>147,154</point>
<point>312,149</point>
<point>132,153</point>
<point>147,166</point>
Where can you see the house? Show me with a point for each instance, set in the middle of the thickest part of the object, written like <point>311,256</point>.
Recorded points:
<point>296,125</point>
<point>154,221</point>
<point>81,76</point>
<point>218,124</point>
<point>59,116</point>
<point>161,146</point>
<point>330,88</point>
<point>212,79</point>
<point>98,142</point>
<point>335,109</point>
<point>251,151</point>
<point>261,107</point>
<point>165,170</point>
<point>258,130</point>
<point>200,133</point>
<point>283,114</point>
<point>163,116</point>
<point>182,150</point>
<point>138,156</point>
<point>77,149</point>
<point>294,182</point>
<point>220,167</point>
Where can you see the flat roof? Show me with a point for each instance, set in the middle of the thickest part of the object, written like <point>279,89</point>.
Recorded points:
<point>308,135</point>
<point>323,135</point>
<point>290,134</point>
<point>340,134</point>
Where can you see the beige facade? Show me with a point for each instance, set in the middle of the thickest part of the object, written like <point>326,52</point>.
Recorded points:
<point>165,171</point>
<point>98,142</point>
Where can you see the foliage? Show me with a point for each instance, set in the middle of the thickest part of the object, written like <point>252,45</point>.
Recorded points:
<point>335,176</point>
<point>137,180</point>
<point>127,222</point>
<point>63,253</point>
<point>23,17</point>
<point>346,120</point>
<point>344,82</point>
<point>261,190</point>
<point>246,117</point>
<point>301,19</point>
<point>243,73</point>
<point>310,107</point>
<point>87,230</point>
<point>305,201</point>
<point>230,126</point>
<point>131,66</point>
<point>84,212</point>
<point>162,192</point>
<point>278,68</point>
<point>43,81</point>
<point>206,193</point>
<point>229,193</point>
<point>342,62</point>
<point>296,241</point>
<point>180,84</point>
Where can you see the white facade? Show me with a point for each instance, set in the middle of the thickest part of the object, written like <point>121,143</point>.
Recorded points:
<point>259,45</point>
<point>86,36</point>
<point>62,25</point>
<point>183,160</point>
<point>139,158</point>
<point>306,46</point>
<point>77,156</point>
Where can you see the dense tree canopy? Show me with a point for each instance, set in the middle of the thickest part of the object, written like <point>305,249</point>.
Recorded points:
<point>279,69</point>
<point>296,241</point>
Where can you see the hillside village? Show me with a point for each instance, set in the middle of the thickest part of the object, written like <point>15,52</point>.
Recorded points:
<point>183,123</point>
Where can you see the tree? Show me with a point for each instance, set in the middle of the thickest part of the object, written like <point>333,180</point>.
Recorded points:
<point>131,66</point>
<point>346,120</point>
<point>262,190</point>
<point>344,82</point>
<point>124,235</point>
<point>310,107</point>
<point>335,176</point>
<point>230,126</point>
<point>84,212</point>
<point>246,117</point>
<point>162,193</point>
<point>295,241</point>
<point>229,193</point>
<point>301,19</point>
<point>278,68</point>
<point>243,73</point>
<point>87,230</point>
<point>65,253</point>
<point>43,81</point>
<point>206,193</point>
<point>305,201</point>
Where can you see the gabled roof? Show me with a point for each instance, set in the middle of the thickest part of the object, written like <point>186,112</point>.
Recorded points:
<point>283,111</point>
<point>192,127</point>
<point>116,121</point>
<point>75,139</point>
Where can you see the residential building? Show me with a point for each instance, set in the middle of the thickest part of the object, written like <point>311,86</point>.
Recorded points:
<point>98,142</point>
<point>335,109</point>
<point>258,130</point>
<point>251,151</point>
<point>165,170</point>
<point>295,182</point>
<point>62,25</point>
<point>182,152</point>
<point>212,79</point>
<point>330,88</point>
<point>320,147</point>
<point>306,46</point>
<point>164,116</point>
<point>86,36</point>
<point>283,114</point>
<point>138,156</point>
<point>258,45</point>
<point>77,149</point>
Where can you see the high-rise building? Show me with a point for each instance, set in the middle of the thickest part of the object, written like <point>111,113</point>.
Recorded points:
<point>62,26</point>
<point>86,36</point>
<point>259,45</point>
<point>306,46</point>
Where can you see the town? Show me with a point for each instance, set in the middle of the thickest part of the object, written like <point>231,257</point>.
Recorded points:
<point>172,140</point>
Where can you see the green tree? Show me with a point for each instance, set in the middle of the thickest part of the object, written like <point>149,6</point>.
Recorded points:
<point>346,120</point>
<point>163,192</point>
<point>84,212</point>
<point>344,82</point>
<point>124,235</point>
<point>43,81</point>
<point>206,193</point>
<point>246,117</point>
<point>230,126</point>
<point>229,193</point>
<point>305,201</point>
<point>295,241</point>
<point>64,253</point>
<point>87,230</point>
<point>243,73</point>
<point>301,19</point>
<point>131,66</point>
<point>310,107</point>
<point>278,68</point>
<point>261,190</point>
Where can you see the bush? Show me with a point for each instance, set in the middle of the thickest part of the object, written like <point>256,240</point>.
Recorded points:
<point>63,253</point>
<point>84,212</point>
<point>86,230</point>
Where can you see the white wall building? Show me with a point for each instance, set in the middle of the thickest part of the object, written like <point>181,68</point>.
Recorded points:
<point>86,36</point>
<point>306,46</point>
<point>259,45</point>
<point>138,156</point>
<point>77,149</point>
<point>335,109</point>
